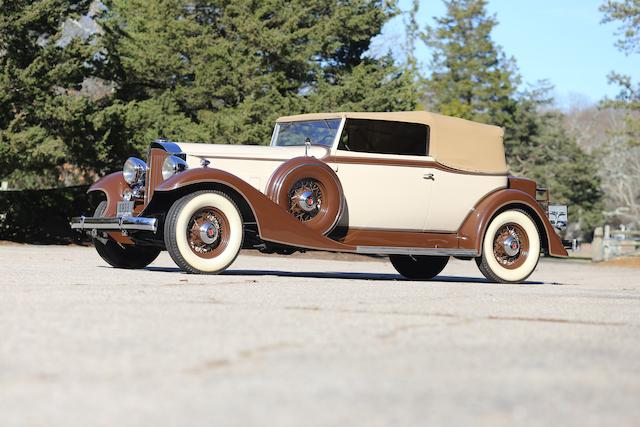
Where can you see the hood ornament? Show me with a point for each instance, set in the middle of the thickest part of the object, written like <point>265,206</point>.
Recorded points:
<point>204,163</point>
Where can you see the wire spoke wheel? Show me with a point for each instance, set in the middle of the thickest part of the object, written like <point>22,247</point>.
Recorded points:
<point>203,232</point>
<point>208,232</point>
<point>511,246</point>
<point>305,199</point>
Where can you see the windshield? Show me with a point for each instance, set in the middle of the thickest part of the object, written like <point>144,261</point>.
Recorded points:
<point>319,132</point>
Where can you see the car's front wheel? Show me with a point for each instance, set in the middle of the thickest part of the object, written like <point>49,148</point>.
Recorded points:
<point>419,267</point>
<point>511,248</point>
<point>122,256</point>
<point>203,232</point>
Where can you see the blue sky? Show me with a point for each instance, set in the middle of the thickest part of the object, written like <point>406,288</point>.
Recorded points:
<point>562,41</point>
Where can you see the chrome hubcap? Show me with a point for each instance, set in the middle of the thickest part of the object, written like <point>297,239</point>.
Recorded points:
<point>307,201</point>
<point>209,232</point>
<point>511,246</point>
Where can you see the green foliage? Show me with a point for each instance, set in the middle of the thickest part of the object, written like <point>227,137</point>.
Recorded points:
<point>206,71</point>
<point>223,71</point>
<point>627,13</point>
<point>472,78</point>
<point>627,100</point>
<point>39,113</point>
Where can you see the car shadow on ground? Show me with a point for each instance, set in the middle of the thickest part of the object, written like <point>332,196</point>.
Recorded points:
<point>341,275</point>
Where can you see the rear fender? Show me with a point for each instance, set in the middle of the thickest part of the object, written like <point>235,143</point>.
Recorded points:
<point>471,234</point>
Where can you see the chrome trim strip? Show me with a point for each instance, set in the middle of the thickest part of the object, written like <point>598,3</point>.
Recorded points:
<point>115,224</point>
<point>379,250</point>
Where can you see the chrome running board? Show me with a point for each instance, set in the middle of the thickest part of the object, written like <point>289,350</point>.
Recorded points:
<point>390,250</point>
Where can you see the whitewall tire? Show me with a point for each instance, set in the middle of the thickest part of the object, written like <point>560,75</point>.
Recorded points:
<point>203,232</point>
<point>510,248</point>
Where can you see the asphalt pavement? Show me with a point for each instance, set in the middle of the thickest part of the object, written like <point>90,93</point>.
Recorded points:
<point>298,341</point>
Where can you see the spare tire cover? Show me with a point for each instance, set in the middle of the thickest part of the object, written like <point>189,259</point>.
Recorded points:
<point>310,190</point>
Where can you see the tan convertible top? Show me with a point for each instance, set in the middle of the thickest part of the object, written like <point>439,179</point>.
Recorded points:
<point>457,143</point>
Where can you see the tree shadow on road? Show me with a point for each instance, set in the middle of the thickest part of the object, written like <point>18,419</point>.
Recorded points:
<point>343,275</point>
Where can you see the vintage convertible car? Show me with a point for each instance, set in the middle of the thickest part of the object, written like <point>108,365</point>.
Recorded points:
<point>416,186</point>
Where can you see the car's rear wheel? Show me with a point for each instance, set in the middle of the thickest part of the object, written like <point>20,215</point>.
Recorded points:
<point>419,267</point>
<point>511,248</point>
<point>203,232</point>
<point>122,256</point>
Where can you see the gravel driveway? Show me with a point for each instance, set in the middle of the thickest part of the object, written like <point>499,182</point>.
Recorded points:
<point>296,341</point>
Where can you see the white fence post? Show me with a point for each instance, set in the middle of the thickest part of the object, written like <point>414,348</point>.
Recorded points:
<point>596,245</point>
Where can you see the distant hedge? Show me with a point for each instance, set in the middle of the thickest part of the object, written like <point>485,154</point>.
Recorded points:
<point>42,216</point>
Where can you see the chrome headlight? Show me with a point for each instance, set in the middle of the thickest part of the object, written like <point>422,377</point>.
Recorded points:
<point>134,170</point>
<point>172,165</point>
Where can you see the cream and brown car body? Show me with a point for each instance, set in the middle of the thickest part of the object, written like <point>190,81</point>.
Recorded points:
<point>430,188</point>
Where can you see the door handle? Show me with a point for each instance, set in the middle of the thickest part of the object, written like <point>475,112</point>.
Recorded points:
<point>429,176</point>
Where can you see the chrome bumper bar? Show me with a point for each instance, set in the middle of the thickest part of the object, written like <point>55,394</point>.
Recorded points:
<point>114,224</point>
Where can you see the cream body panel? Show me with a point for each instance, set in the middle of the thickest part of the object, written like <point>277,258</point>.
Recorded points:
<point>251,163</point>
<point>383,196</point>
<point>454,195</point>
<point>251,151</point>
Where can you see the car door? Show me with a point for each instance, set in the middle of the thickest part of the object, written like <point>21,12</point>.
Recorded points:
<point>383,193</point>
<point>383,169</point>
<point>454,194</point>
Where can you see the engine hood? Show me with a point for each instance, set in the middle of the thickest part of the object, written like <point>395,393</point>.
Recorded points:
<point>249,152</point>
<point>251,163</point>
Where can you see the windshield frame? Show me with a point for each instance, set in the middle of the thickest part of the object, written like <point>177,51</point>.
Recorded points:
<point>331,147</point>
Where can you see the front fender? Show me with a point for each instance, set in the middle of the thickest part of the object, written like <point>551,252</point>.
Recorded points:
<point>275,224</point>
<point>471,234</point>
<point>112,185</point>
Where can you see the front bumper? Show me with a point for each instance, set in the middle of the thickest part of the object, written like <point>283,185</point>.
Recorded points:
<point>125,223</point>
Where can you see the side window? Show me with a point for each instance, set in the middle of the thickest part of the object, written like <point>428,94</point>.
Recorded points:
<point>383,137</point>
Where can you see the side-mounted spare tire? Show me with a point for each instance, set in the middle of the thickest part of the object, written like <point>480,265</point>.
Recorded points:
<point>310,190</point>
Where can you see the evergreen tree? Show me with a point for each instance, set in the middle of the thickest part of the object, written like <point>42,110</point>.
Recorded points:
<point>471,77</point>
<point>627,14</point>
<point>222,71</point>
<point>41,115</point>
<point>207,71</point>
